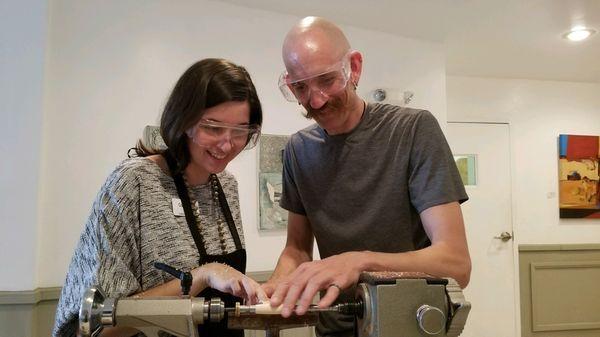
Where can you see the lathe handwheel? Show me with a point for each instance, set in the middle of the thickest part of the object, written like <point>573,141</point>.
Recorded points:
<point>431,320</point>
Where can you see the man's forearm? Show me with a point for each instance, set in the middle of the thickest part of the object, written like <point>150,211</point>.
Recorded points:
<point>289,260</point>
<point>434,260</point>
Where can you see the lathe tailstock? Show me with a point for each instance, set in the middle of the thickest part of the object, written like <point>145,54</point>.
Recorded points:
<point>405,304</point>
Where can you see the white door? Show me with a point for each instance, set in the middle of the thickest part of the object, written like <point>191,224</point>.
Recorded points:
<point>487,215</point>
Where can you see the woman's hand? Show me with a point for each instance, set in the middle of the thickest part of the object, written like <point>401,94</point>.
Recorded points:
<point>225,278</point>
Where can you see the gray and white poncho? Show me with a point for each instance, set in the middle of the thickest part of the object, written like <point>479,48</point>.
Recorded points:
<point>131,226</point>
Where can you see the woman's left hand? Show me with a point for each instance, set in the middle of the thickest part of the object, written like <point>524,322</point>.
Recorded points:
<point>227,279</point>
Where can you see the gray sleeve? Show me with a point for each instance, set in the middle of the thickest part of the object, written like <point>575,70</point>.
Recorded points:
<point>290,198</point>
<point>433,175</point>
<point>106,254</point>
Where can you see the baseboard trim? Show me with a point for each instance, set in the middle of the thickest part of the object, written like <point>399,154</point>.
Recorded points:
<point>560,247</point>
<point>29,296</point>
<point>260,276</point>
<point>53,293</point>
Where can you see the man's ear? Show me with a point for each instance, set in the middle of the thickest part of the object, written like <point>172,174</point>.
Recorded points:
<point>356,61</point>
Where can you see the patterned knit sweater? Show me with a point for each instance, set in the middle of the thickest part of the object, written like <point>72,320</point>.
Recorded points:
<point>131,226</point>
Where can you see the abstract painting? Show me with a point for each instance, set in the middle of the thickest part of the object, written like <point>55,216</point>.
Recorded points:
<point>579,192</point>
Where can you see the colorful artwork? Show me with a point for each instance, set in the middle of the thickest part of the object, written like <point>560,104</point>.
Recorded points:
<point>579,189</point>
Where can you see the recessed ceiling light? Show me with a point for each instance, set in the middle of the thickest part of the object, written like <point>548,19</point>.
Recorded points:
<point>579,33</point>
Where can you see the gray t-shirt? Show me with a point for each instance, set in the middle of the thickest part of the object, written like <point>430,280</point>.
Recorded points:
<point>132,225</point>
<point>364,190</point>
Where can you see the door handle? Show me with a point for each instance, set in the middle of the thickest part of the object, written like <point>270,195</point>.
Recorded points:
<point>504,236</point>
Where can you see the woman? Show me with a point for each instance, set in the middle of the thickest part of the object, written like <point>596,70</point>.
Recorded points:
<point>176,206</point>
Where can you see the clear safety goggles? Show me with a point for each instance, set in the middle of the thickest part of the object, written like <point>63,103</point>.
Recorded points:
<point>328,83</point>
<point>208,133</point>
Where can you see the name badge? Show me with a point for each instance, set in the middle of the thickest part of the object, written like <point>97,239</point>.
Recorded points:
<point>177,207</point>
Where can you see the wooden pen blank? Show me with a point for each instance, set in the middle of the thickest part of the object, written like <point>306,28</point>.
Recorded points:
<point>266,309</point>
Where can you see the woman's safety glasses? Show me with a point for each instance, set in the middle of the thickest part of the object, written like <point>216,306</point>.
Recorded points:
<point>208,133</point>
<point>328,83</point>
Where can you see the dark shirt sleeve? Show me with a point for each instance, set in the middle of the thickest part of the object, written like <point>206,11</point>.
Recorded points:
<point>290,198</point>
<point>433,176</point>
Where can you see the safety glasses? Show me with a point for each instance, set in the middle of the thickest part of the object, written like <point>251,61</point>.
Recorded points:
<point>208,133</point>
<point>328,83</point>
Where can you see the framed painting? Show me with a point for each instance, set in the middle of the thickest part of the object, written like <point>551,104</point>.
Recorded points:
<point>578,182</point>
<point>272,216</point>
<point>467,164</point>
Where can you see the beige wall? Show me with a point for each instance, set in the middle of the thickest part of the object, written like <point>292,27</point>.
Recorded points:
<point>537,111</point>
<point>23,29</point>
<point>110,66</point>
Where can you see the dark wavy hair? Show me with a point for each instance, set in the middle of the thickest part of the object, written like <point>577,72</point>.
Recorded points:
<point>207,83</point>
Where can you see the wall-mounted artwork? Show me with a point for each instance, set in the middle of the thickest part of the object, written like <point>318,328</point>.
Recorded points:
<point>272,216</point>
<point>579,189</point>
<point>151,138</point>
<point>467,164</point>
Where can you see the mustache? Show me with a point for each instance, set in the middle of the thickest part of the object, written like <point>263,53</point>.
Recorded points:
<point>333,103</point>
<point>310,113</point>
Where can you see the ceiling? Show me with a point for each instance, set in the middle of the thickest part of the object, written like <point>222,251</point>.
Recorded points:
<point>489,38</point>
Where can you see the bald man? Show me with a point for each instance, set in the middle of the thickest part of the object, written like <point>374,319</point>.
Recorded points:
<point>375,184</point>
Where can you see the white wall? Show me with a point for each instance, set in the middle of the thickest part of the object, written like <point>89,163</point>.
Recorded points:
<point>22,39</point>
<point>110,66</point>
<point>538,111</point>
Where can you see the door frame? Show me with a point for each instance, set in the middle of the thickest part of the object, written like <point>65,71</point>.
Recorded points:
<point>515,238</point>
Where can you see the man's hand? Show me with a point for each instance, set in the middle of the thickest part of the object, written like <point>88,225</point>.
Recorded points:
<point>334,274</point>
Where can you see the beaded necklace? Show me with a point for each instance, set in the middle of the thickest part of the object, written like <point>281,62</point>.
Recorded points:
<point>214,186</point>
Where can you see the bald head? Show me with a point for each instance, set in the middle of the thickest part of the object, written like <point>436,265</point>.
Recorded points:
<point>313,42</point>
